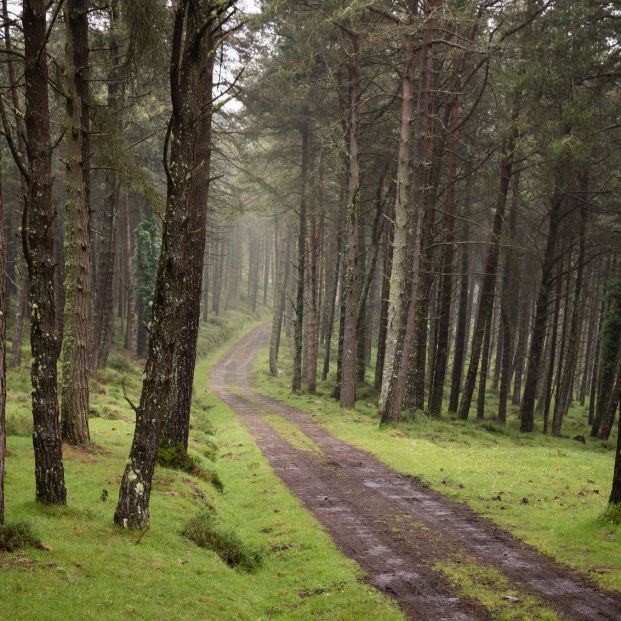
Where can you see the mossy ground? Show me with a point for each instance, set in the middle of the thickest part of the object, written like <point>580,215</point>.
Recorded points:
<point>551,492</point>
<point>91,569</point>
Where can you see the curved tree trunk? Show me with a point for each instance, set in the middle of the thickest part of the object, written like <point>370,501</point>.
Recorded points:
<point>176,304</point>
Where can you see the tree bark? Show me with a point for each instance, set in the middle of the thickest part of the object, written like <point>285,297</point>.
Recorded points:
<point>571,357</point>
<point>176,306</point>
<point>396,285</point>
<point>77,246</point>
<point>3,314</point>
<point>353,254</point>
<point>527,409</point>
<point>296,384</point>
<point>38,243</point>
<point>448,261</point>
<point>103,316</point>
<point>282,277</point>
<point>131,327</point>
<point>484,314</point>
<point>21,268</point>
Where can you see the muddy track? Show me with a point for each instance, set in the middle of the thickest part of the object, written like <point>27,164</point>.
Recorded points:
<point>393,526</point>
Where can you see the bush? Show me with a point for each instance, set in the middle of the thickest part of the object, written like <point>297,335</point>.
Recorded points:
<point>120,363</point>
<point>16,536</point>
<point>19,424</point>
<point>612,515</point>
<point>177,458</point>
<point>205,532</point>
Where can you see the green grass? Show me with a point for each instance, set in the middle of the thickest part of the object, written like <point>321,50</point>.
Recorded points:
<point>550,492</point>
<point>91,569</point>
<point>493,591</point>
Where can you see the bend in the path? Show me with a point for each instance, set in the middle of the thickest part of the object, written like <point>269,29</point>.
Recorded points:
<point>391,524</point>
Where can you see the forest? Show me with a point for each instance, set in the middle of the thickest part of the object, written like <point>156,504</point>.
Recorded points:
<point>310,309</point>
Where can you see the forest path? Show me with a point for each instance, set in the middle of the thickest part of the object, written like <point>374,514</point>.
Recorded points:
<point>394,527</point>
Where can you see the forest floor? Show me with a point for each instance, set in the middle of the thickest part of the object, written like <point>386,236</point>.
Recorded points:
<point>437,557</point>
<point>90,569</point>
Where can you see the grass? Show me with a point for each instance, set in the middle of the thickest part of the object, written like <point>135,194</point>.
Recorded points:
<point>488,586</point>
<point>15,537</point>
<point>205,531</point>
<point>92,570</point>
<point>551,492</point>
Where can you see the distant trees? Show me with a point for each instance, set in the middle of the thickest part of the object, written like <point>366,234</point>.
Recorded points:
<point>433,188</point>
<point>495,224</point>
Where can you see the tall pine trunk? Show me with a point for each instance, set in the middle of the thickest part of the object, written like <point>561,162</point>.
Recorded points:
<point>353,255</point>
<point>527,408</point>
<point>3,306</point>
<point>488,287</point>
<point>296,385</point>
<point>38,243</point>
<point>280,293</point>
<point>103,317</point>
<point>77,247</point>
<point>395,283</point>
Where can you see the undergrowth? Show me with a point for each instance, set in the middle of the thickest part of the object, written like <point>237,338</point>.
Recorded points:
<point>17,536</point>
<point>206,532</point>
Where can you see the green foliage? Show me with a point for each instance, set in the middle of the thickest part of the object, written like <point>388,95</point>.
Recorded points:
<point>612,515</point>
<point>121,363</point>
<point>205,532</point>
<point>17,536</point>
<point>177,458</point>
<point>147,23</point>
<point>147,254</point>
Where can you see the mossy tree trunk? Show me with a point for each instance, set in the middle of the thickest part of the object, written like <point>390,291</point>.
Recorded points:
<point>21,271</point>
<point>176,305</point>
<point>3,308</point>
<point>77,255</point>
<point>38,243</point>
<point>404,281</point>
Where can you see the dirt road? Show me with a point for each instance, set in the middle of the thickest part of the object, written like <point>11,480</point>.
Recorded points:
<point>394,527</point>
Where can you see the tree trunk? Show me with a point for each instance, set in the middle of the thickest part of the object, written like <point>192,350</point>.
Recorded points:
<point>527,409</point>
<point>130,285</point>
<point>296,384</point>
<point>21,268</point>
<point>3,306</point>
<point>77,247</point>
<point>387,253</point>
<point>38,242</point>
<point>396,283</point>
<point>103,324</point>
<point>508,314</point>
<point>484,314</point>
<point>353,254</point>
<point>176,306</point>
<point>461,339</point>
<point>485,355</point>
<point>615,494</point>
<point>446,278</point>
<point>282,277</point>
<point>571,356</point>
<point>402,325</point>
